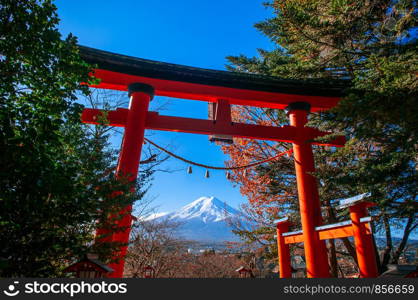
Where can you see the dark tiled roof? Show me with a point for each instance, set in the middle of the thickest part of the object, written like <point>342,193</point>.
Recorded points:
<point>100,264</point>
<point>167,71</point>
<point>400,271</point>
<point>91,260</point>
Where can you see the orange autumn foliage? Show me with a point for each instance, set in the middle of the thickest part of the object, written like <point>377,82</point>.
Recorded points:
<point>252,184</point>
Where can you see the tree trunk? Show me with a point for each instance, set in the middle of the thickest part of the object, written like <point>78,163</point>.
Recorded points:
<point>341,272</point>
<point>333,258</point>
<point>376,251</point>
<point>332,254</point>
<point>388,249</point>
<point>408,229</point>
<point>350,249</point>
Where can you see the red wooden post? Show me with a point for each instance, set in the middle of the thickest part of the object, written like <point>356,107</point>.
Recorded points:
<point>283,249</point>
<point>129,157</point>
<point>366,258</point>
<point>310,207</point>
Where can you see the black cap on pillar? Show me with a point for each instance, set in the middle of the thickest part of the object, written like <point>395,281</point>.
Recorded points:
<point>298,106</point>
<point>141,87</point>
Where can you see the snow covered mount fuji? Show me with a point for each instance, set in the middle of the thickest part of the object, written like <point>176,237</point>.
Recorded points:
<point>203,220</point>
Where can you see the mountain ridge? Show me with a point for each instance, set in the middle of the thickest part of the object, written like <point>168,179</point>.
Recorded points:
<point>204,219</point>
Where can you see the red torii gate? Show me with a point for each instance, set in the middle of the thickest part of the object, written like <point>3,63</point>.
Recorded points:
<point>144,78</point>
<point>357,227</point>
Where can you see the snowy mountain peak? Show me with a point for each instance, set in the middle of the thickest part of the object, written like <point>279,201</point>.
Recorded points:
<point>204,203</point>
<point>209,209</point>
<point>202,219</point>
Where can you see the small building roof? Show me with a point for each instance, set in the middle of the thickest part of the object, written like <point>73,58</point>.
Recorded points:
<point>401,271</point>
<point>344,203</point>
<point>93,262</point>
<point>242,269</point>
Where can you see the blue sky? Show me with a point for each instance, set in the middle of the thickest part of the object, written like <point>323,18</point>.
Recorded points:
<point>195,33</point>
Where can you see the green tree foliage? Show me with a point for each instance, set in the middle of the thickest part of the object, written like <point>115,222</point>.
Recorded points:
<point>373,46</point>
<point>56,178</point>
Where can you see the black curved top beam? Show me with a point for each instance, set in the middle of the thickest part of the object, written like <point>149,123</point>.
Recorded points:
<point>160,70</point>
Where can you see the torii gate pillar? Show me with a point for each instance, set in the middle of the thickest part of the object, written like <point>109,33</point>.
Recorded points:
<point>140,96</point>
<point>285,269</point>
<point>309,203</point>
<point>365,249</point>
